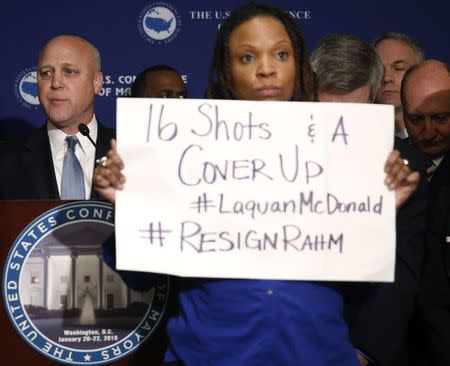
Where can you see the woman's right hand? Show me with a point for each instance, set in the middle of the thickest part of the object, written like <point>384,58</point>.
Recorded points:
<point>108,176</point>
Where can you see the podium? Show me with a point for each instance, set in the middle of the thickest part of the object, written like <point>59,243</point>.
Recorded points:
<point>14,217</point>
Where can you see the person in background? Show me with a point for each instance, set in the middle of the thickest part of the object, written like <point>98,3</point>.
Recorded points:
<point>349,70</point>
<point>57,161</point>
<point>159,81</point>
<point>426,107</point>
<point>259,55</point>
<point>398,52</point>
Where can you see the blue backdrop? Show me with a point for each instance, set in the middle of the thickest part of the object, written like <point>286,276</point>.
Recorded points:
<point>136,34</point>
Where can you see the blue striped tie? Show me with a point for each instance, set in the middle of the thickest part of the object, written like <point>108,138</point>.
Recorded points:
<point>72,181</point>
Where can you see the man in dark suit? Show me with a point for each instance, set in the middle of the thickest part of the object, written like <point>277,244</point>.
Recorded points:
<point>349,70</point>
<point>69,78</point>
<point>426,107</point>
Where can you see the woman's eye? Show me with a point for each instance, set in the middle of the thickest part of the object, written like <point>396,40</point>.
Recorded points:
<point>282,55</point>
<point>246,58</point>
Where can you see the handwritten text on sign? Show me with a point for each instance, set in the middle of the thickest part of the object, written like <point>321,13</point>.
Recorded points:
<point>238,189</point>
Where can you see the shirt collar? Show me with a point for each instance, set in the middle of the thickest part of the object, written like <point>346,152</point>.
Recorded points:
<point>57,137</point>
<point>438,160</point>
<point>403,134</point>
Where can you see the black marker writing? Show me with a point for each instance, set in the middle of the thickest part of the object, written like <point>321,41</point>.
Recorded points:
<point>340,131</point>
<point>220,129</point>
<point>166,131</point>
<point>155,234</point>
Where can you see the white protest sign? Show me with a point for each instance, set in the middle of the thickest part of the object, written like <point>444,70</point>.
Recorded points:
<point>264,190</point>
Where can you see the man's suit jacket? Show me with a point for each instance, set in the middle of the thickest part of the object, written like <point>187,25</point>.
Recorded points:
<point>434,300</point>
<point>27,170</point>
<point>380,327</point>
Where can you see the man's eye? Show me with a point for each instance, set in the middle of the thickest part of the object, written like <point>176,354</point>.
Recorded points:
<point>415,119</point>
<point>164,94</point>
<point>441,118</point>
<point>45,74</point>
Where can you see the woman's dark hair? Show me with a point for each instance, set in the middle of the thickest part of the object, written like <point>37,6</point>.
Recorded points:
<point>219,80</point>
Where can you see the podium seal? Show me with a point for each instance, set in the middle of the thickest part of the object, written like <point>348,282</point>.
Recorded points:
<point>64,300</point>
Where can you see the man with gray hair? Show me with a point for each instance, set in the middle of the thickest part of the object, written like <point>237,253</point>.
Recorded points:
<point>398,52</point>
<point>349,70</point>
<point>346,66</point>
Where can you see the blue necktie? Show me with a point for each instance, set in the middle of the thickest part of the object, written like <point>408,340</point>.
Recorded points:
<point>72,181</point>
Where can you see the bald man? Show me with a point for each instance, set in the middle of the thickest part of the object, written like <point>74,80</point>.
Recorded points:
<point>426,106</point>
<point>426,100</point>
<point>69,77</point>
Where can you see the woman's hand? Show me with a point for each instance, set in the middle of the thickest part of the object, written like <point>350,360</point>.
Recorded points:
<point>108,175</point>
<point>400,178</point>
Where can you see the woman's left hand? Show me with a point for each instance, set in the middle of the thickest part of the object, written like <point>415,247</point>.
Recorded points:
<point>400,178</point>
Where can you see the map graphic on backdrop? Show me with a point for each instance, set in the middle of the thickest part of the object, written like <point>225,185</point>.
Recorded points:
<point>65,301</point>
<point>159,23</point>
<point>26,88</point>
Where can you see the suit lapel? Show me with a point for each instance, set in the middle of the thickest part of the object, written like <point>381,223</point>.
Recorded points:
<point>104,136</point>
<point>441,177</point>
<point>38,165</point>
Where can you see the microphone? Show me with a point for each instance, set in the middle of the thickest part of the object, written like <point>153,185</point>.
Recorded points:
<point>85,132</point>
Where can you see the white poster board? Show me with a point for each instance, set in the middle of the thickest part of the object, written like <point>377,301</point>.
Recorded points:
<point>260,190</point>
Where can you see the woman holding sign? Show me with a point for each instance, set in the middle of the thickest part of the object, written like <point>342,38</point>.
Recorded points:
<point>259,55</point>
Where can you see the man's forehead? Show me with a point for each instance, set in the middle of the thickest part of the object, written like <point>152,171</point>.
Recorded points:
<point>66,50</point>
<point>61,65</point>
<point>395,50</point>
<point>163,77</point>
<point>429,101</point>
<point>430,76</point>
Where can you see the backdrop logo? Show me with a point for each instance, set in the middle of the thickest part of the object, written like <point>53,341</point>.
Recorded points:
<point>65,301</point>
<point>159,23</point>
<point>26,89</point>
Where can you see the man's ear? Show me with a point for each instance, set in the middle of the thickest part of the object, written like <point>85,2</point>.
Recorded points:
<point>98,82</point>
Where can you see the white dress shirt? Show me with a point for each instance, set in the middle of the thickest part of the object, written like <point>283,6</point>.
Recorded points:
<point>434,163</point>
<point>403,134</point>
<point>84,151</point>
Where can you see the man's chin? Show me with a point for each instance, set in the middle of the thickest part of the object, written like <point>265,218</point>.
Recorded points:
<point>60,121</point>
<point>434,152</point>
<point>389,100</point>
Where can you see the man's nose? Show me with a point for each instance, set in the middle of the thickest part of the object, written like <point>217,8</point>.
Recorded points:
<point>429,131</point>
<point>56,80</point>
<point>387,76</point>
